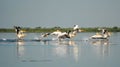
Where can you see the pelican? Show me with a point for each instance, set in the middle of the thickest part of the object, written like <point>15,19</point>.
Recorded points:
<point>63,35</point>
<point>103,35</point>
<point>20,33</point>
<point>76,28</point>
<point>45,35</point>
<point>57,32</point>
<point>69,34</point>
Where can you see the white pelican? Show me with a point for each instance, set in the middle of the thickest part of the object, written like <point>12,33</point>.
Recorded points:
<point>63,35</point>
<point>53,33</point>
<point>103,35</point>
<point>68,34</point>
<point>76,28</point>
<point>20,33</point>
<point>45,35</point>
<point>56,32</point>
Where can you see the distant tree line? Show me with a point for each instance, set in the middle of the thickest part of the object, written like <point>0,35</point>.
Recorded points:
<point>111,29</point>
<point>40,29</point>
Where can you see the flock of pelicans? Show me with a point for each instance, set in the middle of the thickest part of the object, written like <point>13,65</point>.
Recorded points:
<point>104,34</point>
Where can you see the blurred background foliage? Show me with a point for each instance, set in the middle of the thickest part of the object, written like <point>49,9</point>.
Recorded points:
<point>40,29</point>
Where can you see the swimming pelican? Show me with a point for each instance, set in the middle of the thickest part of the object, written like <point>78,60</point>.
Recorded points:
<point>20,33</point>
<point>103,35</point>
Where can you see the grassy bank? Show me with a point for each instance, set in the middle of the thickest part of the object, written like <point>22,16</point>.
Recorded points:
<point>39,29</point>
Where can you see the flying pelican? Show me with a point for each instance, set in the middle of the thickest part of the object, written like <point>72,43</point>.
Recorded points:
<point>20,33</point>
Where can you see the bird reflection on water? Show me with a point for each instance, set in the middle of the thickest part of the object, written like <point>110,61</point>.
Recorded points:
<point>60,49</point>
<point>65,48</point>
<point>20,48</point>
<point>101,47</point>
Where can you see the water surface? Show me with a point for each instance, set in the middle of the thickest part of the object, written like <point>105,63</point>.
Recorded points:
<point>77,52</point>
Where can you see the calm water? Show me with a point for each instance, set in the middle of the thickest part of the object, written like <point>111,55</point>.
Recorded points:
<point>77,52</point>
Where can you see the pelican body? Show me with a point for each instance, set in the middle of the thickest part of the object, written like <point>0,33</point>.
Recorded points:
<point>63,35</point>
<point>103,35</point>
<point>20,33</point>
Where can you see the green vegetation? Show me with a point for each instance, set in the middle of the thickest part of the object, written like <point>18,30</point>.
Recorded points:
<point>6,30</point>
<point>111,29</point>
<point>40,29</point>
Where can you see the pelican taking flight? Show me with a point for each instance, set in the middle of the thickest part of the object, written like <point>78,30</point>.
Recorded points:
<point>76,28</point>
<point>20,33</point>
<point>63,35</point>
<point>69,34</point>
<point>57,32</point>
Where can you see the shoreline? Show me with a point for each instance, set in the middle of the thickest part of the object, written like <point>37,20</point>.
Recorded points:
<point>39,29</point>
